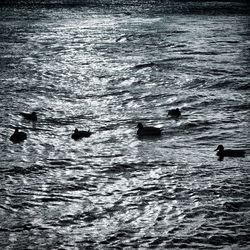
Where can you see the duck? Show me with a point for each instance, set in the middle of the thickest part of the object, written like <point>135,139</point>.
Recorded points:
<point>18,136</point>
<point>80,134</point>
<point>29,116</point>
<point>147,131</point>
<point>229,152</point>
<point>174,112</point>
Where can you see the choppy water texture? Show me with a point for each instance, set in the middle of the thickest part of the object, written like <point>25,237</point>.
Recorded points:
<point>106,68</point>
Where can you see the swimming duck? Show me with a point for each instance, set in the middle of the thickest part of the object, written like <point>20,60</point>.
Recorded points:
<point>174,112</point>
<point>29,116</point>
<point>80,134</point>
<point>229,152</point>
<point>147,131</point>
<point>18,136</point>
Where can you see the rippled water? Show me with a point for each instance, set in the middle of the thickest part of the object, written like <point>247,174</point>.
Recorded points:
<point>106,69</point>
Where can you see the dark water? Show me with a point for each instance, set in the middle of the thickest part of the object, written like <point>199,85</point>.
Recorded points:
<point>106,68</point>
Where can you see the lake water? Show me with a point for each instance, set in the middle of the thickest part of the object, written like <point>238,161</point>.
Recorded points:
<point>106,67</point>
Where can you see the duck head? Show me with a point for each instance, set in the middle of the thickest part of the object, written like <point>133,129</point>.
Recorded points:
<point>220,148</point>
<point>139,125</point>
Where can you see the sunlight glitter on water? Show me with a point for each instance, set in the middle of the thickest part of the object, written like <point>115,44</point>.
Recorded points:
<point>102,70</point>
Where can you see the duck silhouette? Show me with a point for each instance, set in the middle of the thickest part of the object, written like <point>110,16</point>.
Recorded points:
<point>147,131</point>
<point>229,152</point>
<point>18,136</point>
<point>174,112</point>
<point>80,134</point>
<point>29,116</point>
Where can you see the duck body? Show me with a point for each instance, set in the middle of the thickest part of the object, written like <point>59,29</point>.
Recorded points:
<point>229,152</point>
<point>18,136</point>
<point>77,135</point>
<point>174,112</point>
<point>29,116</point>
<point>147,131</point>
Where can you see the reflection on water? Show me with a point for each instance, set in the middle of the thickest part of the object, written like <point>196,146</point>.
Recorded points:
<point>104,70</point>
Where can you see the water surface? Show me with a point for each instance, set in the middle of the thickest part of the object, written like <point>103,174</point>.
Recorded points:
<point>106,68</point>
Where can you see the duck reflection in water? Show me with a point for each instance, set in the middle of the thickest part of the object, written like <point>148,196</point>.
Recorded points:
<point>228,152</point>
<point>77,135</point>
